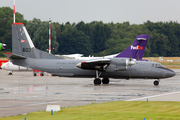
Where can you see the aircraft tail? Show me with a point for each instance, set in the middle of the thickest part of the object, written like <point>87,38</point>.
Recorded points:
<point>136,50</point>
<point>23,47</point>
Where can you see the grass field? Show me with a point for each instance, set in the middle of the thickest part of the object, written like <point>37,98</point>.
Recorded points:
<point>121,110</point>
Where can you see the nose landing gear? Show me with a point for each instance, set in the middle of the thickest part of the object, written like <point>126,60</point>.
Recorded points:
<point>156,82</point>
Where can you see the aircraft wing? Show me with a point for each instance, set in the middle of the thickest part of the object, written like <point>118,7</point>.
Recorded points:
<point>95,64</point>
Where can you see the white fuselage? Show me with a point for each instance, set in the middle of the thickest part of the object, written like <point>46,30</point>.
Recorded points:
<point>9,66</point>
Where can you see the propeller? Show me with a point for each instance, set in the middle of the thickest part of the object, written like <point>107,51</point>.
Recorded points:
<point>130,62</point>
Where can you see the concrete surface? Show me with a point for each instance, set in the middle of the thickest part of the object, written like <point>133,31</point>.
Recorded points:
<point>23,93</point>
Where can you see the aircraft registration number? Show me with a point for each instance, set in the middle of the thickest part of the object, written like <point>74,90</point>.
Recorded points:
<point>26,50</point>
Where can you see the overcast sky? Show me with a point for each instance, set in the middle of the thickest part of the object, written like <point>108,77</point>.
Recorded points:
<point>134,11</point>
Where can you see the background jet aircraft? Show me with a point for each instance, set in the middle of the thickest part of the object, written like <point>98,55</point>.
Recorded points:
<point>25,54</point>
<point>10,67</point>
<point>80,56</point>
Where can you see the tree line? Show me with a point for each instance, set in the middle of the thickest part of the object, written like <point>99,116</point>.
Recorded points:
<point>94,38</point>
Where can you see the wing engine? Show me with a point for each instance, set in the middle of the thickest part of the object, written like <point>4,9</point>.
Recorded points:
<point>96,64</point>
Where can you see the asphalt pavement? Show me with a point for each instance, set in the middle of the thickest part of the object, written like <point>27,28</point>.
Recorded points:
<point>22,93</point>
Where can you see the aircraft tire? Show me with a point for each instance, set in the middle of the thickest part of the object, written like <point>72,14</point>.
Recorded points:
<point>105,80</point>
<point>35,74</point>
<point>97,81</point>
<point>156,83</point>
<point>10,73</point>
<point>42,74</point>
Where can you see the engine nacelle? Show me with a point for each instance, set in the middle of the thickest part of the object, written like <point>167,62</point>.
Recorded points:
<point>122,63</point>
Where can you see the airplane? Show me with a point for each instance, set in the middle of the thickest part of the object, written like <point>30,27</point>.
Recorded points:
<point>2,46</point>
<point>10,67</point>
<point>124,66</point>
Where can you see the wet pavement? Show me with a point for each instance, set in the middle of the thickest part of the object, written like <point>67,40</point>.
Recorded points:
<point>23,93</point>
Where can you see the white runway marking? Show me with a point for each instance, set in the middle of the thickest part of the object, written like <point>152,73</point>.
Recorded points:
<point>153,96</point>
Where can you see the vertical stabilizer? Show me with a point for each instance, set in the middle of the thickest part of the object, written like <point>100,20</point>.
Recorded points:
<point>22,43</point>
<point>23,46</point>
<point>136,50</point>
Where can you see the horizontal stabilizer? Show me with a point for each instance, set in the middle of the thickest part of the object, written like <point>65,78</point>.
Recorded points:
<point>141,38</point>
<point>14,56</point>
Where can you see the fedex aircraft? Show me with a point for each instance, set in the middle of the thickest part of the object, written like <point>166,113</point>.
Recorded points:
<point>123,66</point>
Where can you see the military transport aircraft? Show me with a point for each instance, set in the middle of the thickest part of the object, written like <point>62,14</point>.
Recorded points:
<point>10,67</point>
<point>25,54</point>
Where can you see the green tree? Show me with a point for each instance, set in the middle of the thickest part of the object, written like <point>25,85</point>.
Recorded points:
<point>6,21</point>
<point>73,41</point>
<point>39,32</point>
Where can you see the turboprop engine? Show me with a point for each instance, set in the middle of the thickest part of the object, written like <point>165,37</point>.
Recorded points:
<point>102,64</point>
<point>123,63</point>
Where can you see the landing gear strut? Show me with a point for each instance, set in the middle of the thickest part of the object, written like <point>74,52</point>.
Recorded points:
<point>97,80</point>
<point>156,82</point>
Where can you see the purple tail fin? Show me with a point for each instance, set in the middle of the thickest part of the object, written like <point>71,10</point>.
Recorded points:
<point>136,50</point>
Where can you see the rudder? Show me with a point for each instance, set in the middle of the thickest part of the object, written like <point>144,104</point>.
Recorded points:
<point>23,46</point>
<point>136,50</point>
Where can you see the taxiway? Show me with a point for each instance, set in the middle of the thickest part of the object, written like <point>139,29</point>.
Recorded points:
<point>22,93</point>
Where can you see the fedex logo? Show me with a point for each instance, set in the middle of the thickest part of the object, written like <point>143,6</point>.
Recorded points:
<point>138,47</point>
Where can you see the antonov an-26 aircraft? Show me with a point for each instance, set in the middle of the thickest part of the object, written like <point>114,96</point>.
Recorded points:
<point>123,66</point>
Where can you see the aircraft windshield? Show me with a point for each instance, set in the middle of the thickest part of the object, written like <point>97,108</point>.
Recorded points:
<point>156,65</point>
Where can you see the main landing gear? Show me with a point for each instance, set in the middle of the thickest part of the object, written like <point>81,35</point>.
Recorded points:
<point>156,82</point>
<point>97,80</point>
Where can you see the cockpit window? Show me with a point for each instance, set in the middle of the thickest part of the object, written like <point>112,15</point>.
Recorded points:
<point>153,65</point>
<point>156,65</point>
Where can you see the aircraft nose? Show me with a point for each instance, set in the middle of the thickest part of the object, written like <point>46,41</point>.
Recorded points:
<point>171,73</point>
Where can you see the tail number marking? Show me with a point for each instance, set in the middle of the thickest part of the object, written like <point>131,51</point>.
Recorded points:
<point>26,50</point>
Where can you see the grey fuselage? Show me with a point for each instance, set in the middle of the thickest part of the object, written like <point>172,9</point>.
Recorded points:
<point>67,68</point>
